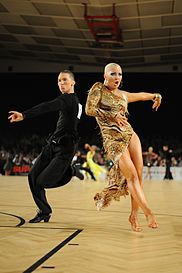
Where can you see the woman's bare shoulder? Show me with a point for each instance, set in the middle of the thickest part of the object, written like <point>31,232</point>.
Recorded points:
<point>124,94</point>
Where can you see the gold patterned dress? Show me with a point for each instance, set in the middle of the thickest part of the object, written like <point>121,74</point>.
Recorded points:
<point>104,106</point>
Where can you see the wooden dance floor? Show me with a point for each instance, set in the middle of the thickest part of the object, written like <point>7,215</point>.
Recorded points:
<point>80,239</point>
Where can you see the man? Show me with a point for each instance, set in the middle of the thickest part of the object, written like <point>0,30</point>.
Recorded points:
<point>167,154</point>
<point>53,167</point>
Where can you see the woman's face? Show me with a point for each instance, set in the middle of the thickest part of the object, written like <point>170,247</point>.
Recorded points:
<point>113,76</point>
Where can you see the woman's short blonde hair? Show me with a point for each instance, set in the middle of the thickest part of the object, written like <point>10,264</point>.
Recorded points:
<point>109,65</point>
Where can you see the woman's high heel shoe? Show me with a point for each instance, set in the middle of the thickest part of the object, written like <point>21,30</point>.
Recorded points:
<point>152,223</point>
<point>134,224</point>
<point>40,217</point>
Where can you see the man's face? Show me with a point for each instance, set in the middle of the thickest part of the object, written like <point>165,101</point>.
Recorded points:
<point>65,83</point>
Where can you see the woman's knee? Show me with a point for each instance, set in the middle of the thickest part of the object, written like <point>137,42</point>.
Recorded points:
<point>132,177</point>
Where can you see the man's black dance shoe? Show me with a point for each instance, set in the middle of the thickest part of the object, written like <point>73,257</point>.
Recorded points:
<point>40,217</point>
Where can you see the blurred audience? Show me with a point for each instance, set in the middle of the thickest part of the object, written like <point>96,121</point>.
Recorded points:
<point>90,158</point>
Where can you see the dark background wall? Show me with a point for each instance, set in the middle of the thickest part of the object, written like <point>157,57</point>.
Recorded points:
<point>20,91</point>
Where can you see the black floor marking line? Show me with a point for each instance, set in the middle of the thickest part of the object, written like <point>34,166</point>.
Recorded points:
<point>52,252</point>
<point>48,266</point>
<point>22,221</point>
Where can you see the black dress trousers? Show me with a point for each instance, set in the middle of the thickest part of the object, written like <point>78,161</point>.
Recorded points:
<point>51,169</point>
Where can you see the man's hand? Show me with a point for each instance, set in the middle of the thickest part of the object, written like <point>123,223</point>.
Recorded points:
<point>15,116</point>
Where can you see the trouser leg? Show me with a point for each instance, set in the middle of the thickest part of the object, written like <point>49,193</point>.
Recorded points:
<point>39,194</point>
<point>52,169</point>
<point>88,171</point>
<point>168,174</point>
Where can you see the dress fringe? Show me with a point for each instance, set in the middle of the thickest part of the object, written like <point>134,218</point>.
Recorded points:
<point>113,192</point>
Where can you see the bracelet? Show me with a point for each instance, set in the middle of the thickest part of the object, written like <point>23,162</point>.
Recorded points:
<point>157,97</point>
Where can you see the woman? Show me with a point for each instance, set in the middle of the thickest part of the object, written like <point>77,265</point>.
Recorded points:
<point>150,156</point>
<point>97,169</point>
<point>108,104</point>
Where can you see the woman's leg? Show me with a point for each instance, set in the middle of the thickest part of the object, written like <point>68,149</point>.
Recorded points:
<point>148,173</point>
<point>135,151</point>
<point>127,165</point>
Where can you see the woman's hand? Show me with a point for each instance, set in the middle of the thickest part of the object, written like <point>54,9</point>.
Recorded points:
<point>156,104</point>
<point>121,120</point>
<point>157,101</point>
<point>15,116</point>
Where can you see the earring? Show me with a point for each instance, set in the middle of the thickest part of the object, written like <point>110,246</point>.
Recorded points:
<point>121,84</point>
